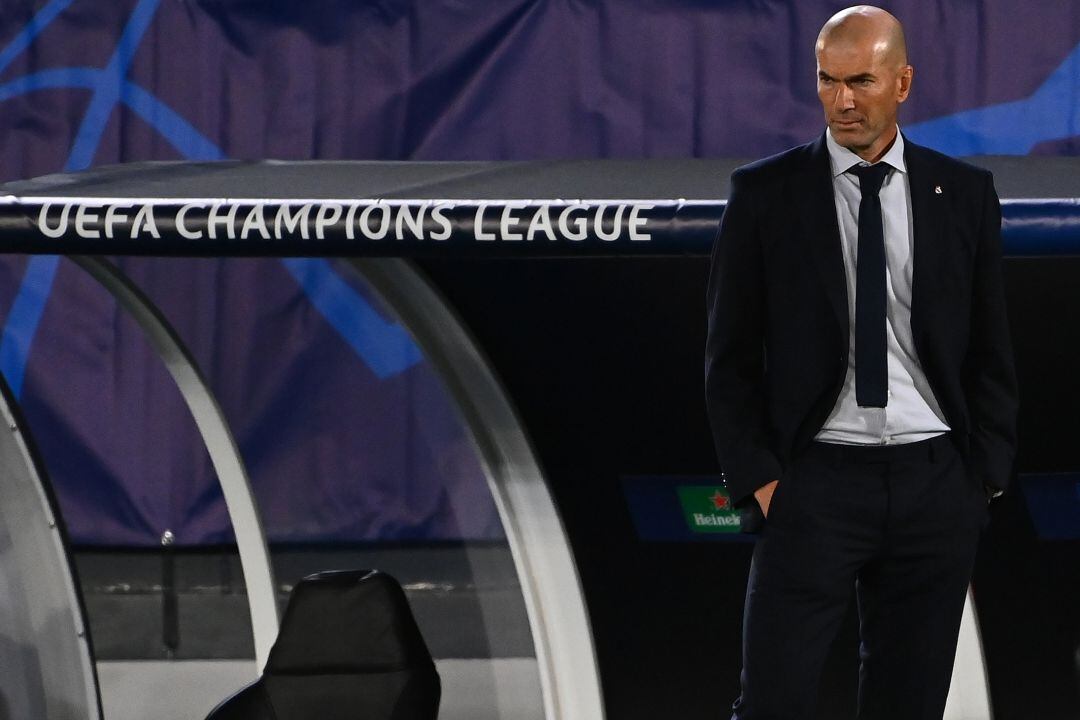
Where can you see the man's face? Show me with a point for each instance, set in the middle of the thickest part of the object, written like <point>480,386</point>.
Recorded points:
<point>861,88</point>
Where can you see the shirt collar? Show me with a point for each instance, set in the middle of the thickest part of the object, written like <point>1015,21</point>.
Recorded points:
<point>841,159</point>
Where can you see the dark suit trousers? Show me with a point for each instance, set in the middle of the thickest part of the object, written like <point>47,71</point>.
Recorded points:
<point>901,523</point>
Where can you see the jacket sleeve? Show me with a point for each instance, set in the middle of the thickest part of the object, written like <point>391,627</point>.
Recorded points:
<point>735,359</point>
<point>989,375</point>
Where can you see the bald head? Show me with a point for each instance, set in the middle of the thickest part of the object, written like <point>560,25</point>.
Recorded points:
<point>866,26</point>
<point>863,77</point>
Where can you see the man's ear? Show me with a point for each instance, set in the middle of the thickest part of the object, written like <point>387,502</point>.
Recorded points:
<point>903,83</point>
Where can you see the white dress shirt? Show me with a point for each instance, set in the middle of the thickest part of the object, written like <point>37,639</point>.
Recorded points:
<point>912,412</point>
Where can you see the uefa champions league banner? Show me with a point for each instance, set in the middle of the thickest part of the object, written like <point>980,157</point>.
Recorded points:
<point>346,227</point>
<point>330,401</point>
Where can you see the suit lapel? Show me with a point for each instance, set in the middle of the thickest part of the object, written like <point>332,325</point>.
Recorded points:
<point>818,214</point>
<point>927,218</point>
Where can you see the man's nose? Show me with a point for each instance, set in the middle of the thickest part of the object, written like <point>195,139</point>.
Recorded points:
<point>845,98</point>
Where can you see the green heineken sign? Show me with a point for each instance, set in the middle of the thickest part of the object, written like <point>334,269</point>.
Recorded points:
<point>708,509</point>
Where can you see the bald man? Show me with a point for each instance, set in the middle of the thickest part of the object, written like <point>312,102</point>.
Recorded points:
<point>860,387</point>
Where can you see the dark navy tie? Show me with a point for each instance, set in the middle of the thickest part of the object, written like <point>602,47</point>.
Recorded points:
<point>871,361</point>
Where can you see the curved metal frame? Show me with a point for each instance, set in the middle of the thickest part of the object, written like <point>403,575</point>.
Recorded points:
<point>225,456</point>
<point>48,632</point>
<point>554,600</point>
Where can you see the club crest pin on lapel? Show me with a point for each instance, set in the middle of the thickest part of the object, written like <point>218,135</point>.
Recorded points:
<point>937,189</point>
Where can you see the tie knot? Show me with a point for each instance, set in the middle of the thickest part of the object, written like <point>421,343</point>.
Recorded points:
<point>870,177</point>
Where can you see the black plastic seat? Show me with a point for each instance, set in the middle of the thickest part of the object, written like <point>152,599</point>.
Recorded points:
<point>348,649</point>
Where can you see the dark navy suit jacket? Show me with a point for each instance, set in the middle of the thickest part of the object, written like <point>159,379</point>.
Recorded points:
<point>777,347</point>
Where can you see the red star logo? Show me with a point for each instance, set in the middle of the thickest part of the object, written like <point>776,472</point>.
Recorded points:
<point>719,501</point>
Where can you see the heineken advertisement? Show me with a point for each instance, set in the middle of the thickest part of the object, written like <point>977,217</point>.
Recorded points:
<point>682,508</point>
<point>708,509</point>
